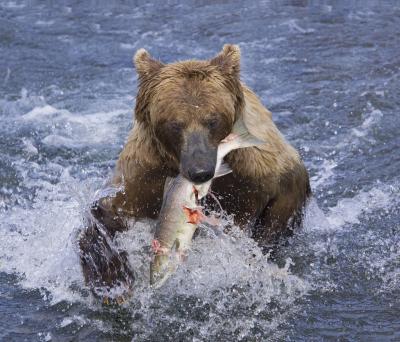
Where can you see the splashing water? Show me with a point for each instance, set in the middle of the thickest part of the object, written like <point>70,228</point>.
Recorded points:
<point>330,75</point>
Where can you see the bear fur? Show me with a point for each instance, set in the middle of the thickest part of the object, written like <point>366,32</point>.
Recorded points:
<point>266,191</point>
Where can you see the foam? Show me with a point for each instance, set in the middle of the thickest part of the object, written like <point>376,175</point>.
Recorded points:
<point>295,27</point>
<point>74,130</point>
<point>29,147</point>
<point>39,243</point>
<point>227,274</point>
<point>371,119</point>
<point>348,211</point>
<point>224,272</point>
<point>325,174</point>
<point>39,240</point>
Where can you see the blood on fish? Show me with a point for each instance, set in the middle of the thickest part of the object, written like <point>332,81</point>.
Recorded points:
<point>194,215</point>
<point>157,249</point>
<point>155,244</point>
<point>229,138</point>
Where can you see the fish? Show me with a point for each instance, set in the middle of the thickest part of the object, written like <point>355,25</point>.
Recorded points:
<point>181,213</point>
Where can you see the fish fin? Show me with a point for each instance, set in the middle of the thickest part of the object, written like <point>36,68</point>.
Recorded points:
<point>176,245</point>
<point>223,170</point>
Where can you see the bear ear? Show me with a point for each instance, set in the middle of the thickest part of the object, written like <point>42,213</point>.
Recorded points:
<point>228,60</point>
<point>145,64</point>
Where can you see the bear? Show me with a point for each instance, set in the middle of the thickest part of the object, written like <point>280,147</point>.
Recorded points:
<point>183,110</point>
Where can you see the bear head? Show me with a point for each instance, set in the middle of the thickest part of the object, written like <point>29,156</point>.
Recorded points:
<point>190,107</point>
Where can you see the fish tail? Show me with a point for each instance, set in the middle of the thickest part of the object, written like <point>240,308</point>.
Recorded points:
<point>223,170</point>
<point>249,140</point>
<point>241,137</point>
<point>239,127</point>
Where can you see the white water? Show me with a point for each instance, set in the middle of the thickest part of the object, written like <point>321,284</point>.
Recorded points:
<point>329,74</point>
<point>228,273</point>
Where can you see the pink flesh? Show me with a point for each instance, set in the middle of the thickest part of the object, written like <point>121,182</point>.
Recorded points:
<point>157,249</point>
<point>230,137</point>
<point>194,216</point>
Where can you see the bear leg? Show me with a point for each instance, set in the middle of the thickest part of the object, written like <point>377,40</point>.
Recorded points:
<point>106,269</point>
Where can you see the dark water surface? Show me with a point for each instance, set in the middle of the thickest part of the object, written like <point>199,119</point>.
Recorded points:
<point>329,72</point>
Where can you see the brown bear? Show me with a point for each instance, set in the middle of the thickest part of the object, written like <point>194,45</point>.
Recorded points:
<point>183,110</point>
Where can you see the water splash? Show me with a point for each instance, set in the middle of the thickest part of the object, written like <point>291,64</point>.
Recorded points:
<point>72,130</point>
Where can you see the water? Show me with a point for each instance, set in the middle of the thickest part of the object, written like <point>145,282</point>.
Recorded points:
<point>330,73</point>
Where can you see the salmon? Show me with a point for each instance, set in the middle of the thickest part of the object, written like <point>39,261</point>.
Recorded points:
<point>180,212</point>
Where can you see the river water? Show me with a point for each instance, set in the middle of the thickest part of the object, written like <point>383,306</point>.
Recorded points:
<point>329,72</point>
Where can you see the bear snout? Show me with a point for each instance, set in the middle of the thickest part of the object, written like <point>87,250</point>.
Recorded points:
<point>200,175</point>
<point>198,167</point>
<point>198,159</point>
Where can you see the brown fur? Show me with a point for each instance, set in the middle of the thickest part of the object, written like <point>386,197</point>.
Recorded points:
<point>269,185</point>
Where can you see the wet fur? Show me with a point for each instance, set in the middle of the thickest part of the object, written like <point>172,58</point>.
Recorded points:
<point>268,187</point>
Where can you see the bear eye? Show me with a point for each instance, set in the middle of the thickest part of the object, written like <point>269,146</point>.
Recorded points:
<point>212,123</point>
<point>173,126</point>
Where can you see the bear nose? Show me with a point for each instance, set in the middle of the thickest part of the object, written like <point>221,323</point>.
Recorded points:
<point>200,175</point>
